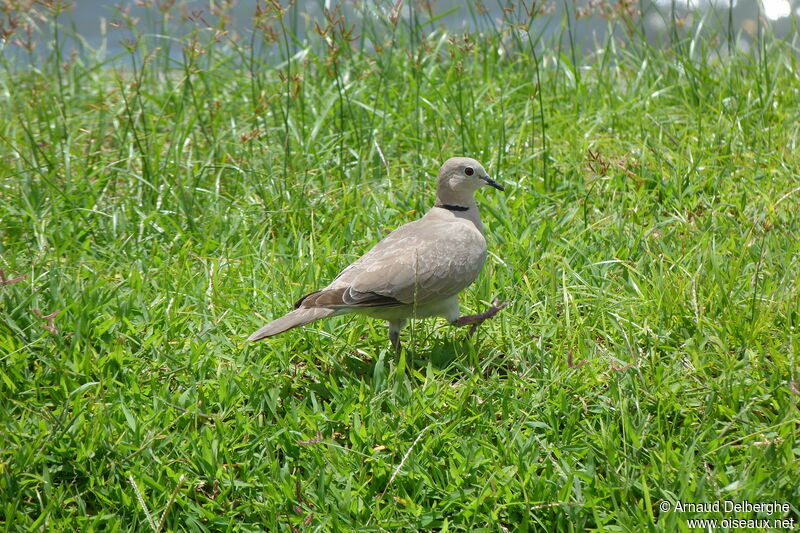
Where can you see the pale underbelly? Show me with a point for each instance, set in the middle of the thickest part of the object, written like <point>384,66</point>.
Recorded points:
<point>447,308</point>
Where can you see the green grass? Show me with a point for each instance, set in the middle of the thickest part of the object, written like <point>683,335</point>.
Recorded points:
<point>648,240</point>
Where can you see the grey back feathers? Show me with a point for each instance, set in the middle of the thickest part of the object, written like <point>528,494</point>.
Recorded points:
<point>425,260</point>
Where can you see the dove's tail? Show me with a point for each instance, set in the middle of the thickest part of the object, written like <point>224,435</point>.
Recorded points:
<point>298,317</point>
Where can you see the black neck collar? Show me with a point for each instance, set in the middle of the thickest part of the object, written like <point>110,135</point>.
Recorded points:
<point>451,207</point>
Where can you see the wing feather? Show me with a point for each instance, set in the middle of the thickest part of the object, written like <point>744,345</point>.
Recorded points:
<point>344,297</point>
<point>420,262</point>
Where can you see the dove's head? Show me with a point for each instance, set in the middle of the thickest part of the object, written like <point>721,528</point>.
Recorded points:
<point>459,178</point>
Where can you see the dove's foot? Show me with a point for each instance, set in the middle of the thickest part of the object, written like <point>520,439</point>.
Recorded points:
<point>475,320</point>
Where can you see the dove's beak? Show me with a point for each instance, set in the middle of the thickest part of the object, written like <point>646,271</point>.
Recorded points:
<point>493,183</point>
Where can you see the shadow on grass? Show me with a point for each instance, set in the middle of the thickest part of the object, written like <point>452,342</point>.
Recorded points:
<point>448,354</point>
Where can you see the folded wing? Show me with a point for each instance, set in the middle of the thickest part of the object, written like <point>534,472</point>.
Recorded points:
<point>420,262</point>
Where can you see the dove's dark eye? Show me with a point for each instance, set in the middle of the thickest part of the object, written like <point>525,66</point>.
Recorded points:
<point>469,171</point>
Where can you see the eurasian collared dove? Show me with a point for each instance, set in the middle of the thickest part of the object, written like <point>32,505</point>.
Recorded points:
<point>417,270</point>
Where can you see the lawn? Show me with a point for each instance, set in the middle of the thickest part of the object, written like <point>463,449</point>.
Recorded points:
<point>158,208</point>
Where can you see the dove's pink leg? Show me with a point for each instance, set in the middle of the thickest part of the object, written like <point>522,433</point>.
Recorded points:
<point>475,320</point>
